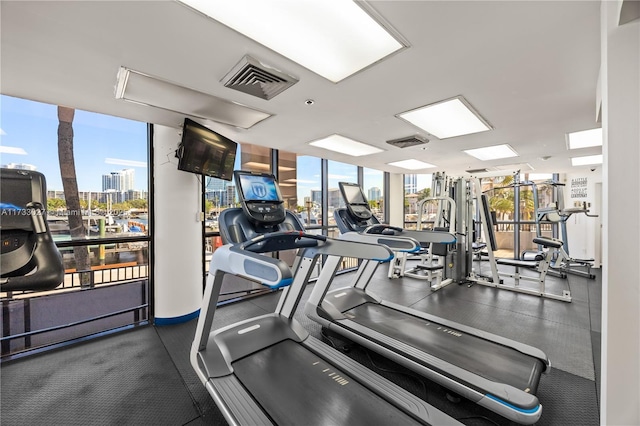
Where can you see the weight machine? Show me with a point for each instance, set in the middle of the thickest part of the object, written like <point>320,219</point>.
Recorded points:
<point>467,191</point>
<point>556,213</point>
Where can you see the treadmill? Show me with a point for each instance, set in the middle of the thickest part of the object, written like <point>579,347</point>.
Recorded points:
<point>495,372</point>
<point>268,369</point>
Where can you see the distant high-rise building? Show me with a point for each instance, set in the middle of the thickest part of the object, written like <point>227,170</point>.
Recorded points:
<point>220,191</point>
<point>120,181</point>
<point>316,197</point>
<point>128,179</point>
<point>410,184</point>
<point>374,193</point>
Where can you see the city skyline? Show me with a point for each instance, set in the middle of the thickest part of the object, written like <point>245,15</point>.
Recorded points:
<point>105,144</point>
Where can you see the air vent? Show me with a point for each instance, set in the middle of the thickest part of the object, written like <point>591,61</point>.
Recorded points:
<point>255,78</point>
<point>475,171</point>
<point>408,141</point>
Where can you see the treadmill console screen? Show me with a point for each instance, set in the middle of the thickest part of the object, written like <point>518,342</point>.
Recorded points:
<point>260,197</point>
<point>357,203</point>
<point>16,192</point>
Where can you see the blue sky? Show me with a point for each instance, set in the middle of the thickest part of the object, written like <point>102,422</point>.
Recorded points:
<point>103,144</point>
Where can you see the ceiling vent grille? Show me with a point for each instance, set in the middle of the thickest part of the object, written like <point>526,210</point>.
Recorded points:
<point>476,171</point>
<point>255,78</point>
<point>408,141</point>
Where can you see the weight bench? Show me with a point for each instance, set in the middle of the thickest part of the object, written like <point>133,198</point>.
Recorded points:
<point>542,266</point>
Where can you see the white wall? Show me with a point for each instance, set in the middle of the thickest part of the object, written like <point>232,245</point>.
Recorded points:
<point>620,72</point>
<point>178,247</point>
<point>581,229</point>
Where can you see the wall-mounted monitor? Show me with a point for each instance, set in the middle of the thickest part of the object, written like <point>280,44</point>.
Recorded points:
<point>206,152</point>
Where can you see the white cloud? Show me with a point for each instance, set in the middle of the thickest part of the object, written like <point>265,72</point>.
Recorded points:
<point>12,150</point>
<point>2,132</point>
<point>332,176</point>
<point>130,163</point>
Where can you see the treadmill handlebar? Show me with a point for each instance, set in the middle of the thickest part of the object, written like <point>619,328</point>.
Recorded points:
<point>38,222</point>
<point>393,242</point>
<point>232,259</point>
<point>426,237</point>
<point>283,240</point>
<point>381,228</point>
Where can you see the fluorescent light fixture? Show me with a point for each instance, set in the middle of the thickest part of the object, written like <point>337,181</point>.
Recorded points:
<point>143,89</point>
<point>334,39</point>
<point>584,139</point>
<point>412,164</point>
<point>447,119</point>
<point>492,152</point>
<point>587,160</point>
<point>540,176</point>
<point>12,150</point>
<point>339,143</point>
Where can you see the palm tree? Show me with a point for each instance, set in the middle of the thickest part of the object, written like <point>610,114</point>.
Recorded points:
<point>70,184</point>
<point>501,198</point>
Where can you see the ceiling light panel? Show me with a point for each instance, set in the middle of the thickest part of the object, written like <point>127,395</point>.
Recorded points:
<point>492,152</point>
<point>584,139</point>
<point>143,89</point>
<point>334,39</point>
<point>345,145</point>
<point>447,119</point>
<point>412,164</point>
<point>587,160</point>
<point>522,167</point>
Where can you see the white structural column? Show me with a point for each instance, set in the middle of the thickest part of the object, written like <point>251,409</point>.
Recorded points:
<point>620,84</point>
<point>396,199</point>
<point>177,263</point>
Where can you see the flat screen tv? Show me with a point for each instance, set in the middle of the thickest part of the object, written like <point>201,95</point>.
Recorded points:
<point>206,152</point>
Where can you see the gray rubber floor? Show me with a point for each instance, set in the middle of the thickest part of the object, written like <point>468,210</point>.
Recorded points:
<point>143,376</point>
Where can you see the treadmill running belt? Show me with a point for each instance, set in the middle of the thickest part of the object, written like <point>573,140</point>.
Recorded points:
<point>296,387</point>
<point>485,358</point>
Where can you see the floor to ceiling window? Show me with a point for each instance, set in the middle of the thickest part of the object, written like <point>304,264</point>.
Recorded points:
<point>97,175</point>
<point>373,186</point>
<point>417,187</point>
<point>338,172</point>
<point>309,190</point>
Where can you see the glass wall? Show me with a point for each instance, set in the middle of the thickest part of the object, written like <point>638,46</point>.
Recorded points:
<point>308,182</point>
<point>337,172</point>
<point>373,186</point>
<point>416,188</point>
<point>97,175</point>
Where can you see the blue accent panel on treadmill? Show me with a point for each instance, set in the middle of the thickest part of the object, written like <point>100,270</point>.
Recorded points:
<point>513,407</point>
<point>388,259</point>
<point>176,320</point>
<point>282,283</point>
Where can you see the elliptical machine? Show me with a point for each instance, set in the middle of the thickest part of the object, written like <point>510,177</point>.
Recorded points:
<point>29,257</point>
